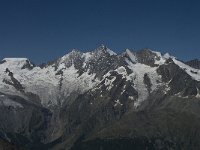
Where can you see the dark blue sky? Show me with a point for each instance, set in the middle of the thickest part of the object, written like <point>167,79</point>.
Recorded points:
<point>46,29</point>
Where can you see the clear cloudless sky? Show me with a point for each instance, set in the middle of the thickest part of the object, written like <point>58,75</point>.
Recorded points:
<point>43,30</point>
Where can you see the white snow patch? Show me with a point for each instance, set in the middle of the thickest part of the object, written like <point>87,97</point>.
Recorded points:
<point>61,66</point>
<point>121,70</point>
<point>131,97</point>
<point>15,59</point>
<point>122,91</point>
<point>161,61</point>
<point>111,52</point>
<point>117,102</point>
<point>131,56</point>
<point>87,57</point>
<point>109,83</point>
<point>198,94</point>
<point>167,89</point>
<point>139,70</point>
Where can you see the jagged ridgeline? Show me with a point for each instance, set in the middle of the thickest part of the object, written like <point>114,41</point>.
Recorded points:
<point>100,100</point>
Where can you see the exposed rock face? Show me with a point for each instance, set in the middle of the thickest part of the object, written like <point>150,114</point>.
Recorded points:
<point>100,100</point>
<point>4,145</point>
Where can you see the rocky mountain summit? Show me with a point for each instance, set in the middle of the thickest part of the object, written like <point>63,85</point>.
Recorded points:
<point>101,100</point>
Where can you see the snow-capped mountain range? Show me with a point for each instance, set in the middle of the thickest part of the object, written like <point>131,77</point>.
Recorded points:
<point>92,93</point>
<point>79,72</point>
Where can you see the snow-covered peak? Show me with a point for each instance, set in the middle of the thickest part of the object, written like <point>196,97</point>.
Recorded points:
<point>104,50</point>
<point>158,54</point>
<point>15,59</point>
<point>145,56</point>
<point>111,52</point>
<point>79,72</point>
<point>154,56</point>
<point>16,63</point>
<point>74,52</point>
<point>166,55</point>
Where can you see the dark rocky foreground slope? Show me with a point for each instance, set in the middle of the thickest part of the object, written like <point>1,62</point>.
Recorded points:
<point>100,101</point>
